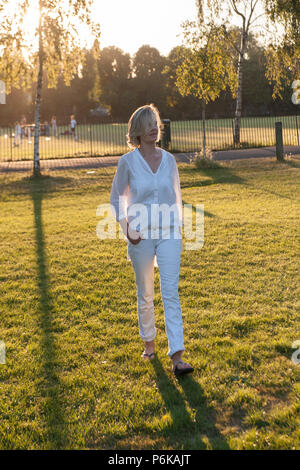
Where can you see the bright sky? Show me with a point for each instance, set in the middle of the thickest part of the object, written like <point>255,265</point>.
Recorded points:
<point>133,23</point>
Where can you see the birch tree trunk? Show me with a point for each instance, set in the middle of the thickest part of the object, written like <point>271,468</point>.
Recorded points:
<point>203,129</point>
<point>238,109</point>
<point>36,155</point>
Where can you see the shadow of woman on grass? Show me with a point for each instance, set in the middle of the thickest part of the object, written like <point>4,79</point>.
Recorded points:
<point>193,424</point>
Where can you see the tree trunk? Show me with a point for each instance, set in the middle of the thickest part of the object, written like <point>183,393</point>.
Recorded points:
<point>203,127</point>
<point>36,155</point>
<point>238,110</point>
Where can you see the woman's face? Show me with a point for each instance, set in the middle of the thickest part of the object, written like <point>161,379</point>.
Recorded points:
<point>151,132</point>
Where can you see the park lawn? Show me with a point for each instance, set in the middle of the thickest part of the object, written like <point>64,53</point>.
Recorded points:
<point>186,136</point>
<point>73,376</point>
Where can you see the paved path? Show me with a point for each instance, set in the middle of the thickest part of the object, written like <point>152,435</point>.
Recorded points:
<point>253,153</point>
<point>65,163</point>
<point>96,162</point>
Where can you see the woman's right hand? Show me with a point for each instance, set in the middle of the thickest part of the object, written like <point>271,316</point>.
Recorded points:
<point>133,236</point>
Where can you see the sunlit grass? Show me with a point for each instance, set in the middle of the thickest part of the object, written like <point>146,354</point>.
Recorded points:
<point>73,377</point>
<point>186,136</point>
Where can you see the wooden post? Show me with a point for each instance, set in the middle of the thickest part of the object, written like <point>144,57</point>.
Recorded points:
<point>279,141</point>
<point>166,134</point>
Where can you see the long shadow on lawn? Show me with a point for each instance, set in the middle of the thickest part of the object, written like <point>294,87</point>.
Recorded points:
<point>49,384</point>
<point>289,163</point>
<point>220,175</point>
<point>45,184</point>
<point>188,432</point>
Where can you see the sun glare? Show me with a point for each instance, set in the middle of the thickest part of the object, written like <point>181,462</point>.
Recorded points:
<point>31,19</point>
<point>29,22</point>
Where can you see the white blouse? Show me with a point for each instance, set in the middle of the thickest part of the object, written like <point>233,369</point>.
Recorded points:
<point>135,183</point>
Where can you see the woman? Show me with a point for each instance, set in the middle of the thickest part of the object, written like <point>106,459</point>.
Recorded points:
<point>147,182</point>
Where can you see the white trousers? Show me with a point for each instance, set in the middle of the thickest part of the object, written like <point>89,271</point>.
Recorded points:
<point>168,254</point>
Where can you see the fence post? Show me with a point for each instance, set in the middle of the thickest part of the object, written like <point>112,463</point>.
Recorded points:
<point>297,130</point>
<point>279,141</point>
<point>10,138</point>
<point>166,133</point>
<point>91,137</point>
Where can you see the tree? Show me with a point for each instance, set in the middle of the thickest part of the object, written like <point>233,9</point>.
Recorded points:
<point>177,105</point>
<point>283,55</point>
<point>257,92</point>
<point>78,97</point>
<point>149,82</point>
<point>224,9</point>
<point>59,50</point>
<point>115,81</point>
<point>85,87</point>
<point>207,68</point>
<point>286,12</point>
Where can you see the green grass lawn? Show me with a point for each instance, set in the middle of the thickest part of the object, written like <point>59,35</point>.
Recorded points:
<point>73,376</point>
<point>186,136</point>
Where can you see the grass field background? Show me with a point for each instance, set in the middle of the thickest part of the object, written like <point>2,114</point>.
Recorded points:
<point>73,376</point>
<point>186,136</point>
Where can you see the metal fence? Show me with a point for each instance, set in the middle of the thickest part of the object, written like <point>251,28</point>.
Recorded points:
<point>110,138</point>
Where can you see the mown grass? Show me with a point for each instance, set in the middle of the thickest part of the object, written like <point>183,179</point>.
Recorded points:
<point>73,376</point>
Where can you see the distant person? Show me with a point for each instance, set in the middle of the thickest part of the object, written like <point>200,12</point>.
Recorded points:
<point>47,129</point>
<point>54,127</point>
<point>29,134</point>
<point>73,126</point>
<point>23,124</point>
<point>18,132</point>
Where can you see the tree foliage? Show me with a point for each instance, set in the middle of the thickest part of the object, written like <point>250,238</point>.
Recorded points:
<point>207,67</point>
<point>60,28</point>
<point>283,56</point>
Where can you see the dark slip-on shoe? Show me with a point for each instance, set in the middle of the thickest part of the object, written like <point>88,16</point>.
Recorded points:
<point>185,370</point>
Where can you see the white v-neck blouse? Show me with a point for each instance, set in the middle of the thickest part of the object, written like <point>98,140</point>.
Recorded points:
<point>135,183</point>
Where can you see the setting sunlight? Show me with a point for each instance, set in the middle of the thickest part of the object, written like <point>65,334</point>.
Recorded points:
<point>126,25</point>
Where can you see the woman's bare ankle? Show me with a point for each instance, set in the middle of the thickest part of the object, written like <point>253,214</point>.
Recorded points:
<point>149,346</point>
<point>176,357</point>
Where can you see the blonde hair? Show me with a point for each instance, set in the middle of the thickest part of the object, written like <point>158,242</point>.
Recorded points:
<point>141,121</point>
